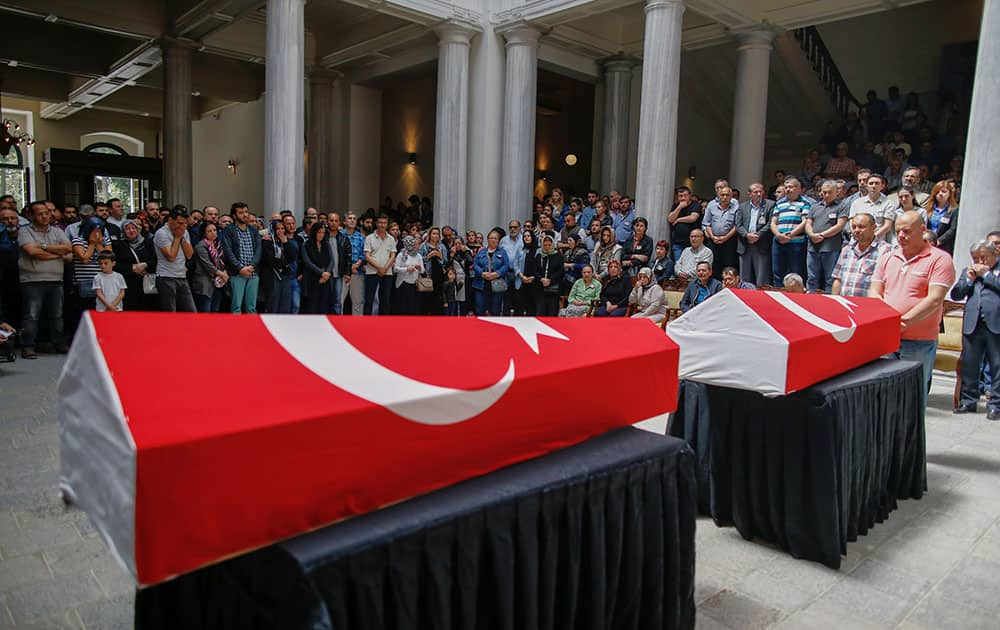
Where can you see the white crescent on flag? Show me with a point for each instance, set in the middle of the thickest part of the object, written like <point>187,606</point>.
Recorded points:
<point>842,334</point>
<point>316,343</point>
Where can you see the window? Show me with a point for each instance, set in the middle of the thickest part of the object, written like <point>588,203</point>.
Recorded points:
<point>14,177</point>
<point>130,191</point>
<point>105,147</point>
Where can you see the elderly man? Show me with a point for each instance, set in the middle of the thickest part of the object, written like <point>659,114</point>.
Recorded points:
<point>719,224</point>
<point>980,287</point>
<point>687,264</point>
<point>793,283</point>
<point>788,224</point>
<point>824,226</point>
<point>754,232</point>
<point>914,278</point>
<point>911,178</point>
<point>853,272</point>
<point>705,287</point>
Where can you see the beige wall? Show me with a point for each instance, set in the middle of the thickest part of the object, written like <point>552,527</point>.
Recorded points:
<point>365,153</point>
<point>408,123</point>
<point>233,133</point>
<point>901,47</point>
<point>65,133</point>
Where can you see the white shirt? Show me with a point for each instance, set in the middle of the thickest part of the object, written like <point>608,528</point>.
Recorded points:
<point>110,285</point>
<point>404,260</point>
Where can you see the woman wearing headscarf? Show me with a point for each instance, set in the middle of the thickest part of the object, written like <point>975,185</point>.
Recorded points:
<point>408,266</point>
<point>549,278</point>
<point>607,250</point>
<point>648,297</point>
<point>614,294</point>
<point>585,291</point>
<point>209,274</point>
<point>135,257</point>
<point>577,257</point>
<point>92,240</point>
<point>524,274</point>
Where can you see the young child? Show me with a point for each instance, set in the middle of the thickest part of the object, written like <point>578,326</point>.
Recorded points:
<point>449,292</point>
<point>109,284</point>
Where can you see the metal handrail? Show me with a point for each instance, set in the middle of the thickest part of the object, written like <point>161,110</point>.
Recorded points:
<point>826,69</point>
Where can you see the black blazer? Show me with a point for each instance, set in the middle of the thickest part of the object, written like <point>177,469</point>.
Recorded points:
<point>983,301</point>
<point>946,232</point>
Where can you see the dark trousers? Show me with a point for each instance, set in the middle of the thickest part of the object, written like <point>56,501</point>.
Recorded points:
<point>755,265</point>
<point>404,299</point>
<point>602,311</point>
<point>209,303</point>
<point>546,304</point>
<point>175,295</point>
<point>382,285</point>
<point>488,302</point>
<point>723,256</point>
<point>38,298</point>
<point>975,347</point>
<point>787,258</point>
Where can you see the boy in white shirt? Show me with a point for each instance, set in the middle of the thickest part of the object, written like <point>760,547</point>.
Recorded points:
<point>109,284</point>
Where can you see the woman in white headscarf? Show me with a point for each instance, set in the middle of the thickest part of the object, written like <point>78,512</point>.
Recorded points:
<point>648,297</point>
<point>408,267</point>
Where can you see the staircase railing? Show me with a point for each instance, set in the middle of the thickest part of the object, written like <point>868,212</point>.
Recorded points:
<point>826,69</point>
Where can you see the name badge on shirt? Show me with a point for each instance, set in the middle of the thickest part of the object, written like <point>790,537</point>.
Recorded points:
<point>833,215</point>
<point>945,219</point>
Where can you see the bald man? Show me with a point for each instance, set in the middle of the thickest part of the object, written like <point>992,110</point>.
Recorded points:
<point>914,278</point>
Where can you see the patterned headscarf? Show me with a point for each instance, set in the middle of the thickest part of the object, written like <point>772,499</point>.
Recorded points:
<point>410,245</point>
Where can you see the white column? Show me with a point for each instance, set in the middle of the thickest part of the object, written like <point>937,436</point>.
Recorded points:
<point>617,97</point>
<point>520,101</point>
<point>661,58</point>
<point>981,177</point>
<point>319,184</point>
<point>746,158</point>
<point>177,158</point>
<point>340,140</point>
<point>486,84</point>
<point>451,132</point>
<point>284,107</point>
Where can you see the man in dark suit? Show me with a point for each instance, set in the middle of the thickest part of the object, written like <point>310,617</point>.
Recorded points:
<point>753,230</point>
<point>980,287</point>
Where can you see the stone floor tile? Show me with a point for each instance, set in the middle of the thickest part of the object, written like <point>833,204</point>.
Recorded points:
<point>35,603</point>
<point>22,570</point>
<point>739,611</point>
<point>823,616</point>
<point>973,582</point>
<point>891,580</point>
<point>39,537</point>
<point>779,594</point>
<point>866,602</point>
<point>108,614</point>
<point>937,612</point>
<point>78,558</point>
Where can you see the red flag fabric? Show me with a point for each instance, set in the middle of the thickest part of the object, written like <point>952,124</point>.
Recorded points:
<point>776,343</point>
<point>192,438</point>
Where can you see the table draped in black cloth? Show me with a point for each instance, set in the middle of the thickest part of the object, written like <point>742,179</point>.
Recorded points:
<point>813,470</point>
<point>598,535</point>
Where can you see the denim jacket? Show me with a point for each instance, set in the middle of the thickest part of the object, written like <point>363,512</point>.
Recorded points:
<point>480,264</point>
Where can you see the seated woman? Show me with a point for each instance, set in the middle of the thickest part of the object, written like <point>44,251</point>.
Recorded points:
<point>704,287</point>
<point>577,257</point>
<point>648,297</point>
<point>662,265</point>
<point>607,250</point>
<point>585,291</point>
<point>614,295</point>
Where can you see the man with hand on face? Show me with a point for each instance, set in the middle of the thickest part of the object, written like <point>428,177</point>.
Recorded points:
<point>173,249</point>
<point>914,278</point>
<point>980,286</point>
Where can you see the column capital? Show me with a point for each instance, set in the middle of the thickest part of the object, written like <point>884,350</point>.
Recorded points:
<point>455,31</point>
<point>519,33</point>
<point>618,63</point>
<point>757,37</point>
<point>177,45</point>
<point>656,5</point>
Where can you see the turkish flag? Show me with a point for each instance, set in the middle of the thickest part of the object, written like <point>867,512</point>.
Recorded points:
<point>192,438</point>
<point>776,343</point>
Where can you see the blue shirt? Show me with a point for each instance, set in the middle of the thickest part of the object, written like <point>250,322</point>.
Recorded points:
<point>791,214</point>
<point>585,218</point>
<point>622,223</point>
<point>357,241</point>
<point>934,221</point>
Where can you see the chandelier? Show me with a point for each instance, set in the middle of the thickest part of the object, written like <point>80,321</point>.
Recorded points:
<point>11,135</point>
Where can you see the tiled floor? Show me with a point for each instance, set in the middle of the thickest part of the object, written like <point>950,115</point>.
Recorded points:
<point>933,564</point>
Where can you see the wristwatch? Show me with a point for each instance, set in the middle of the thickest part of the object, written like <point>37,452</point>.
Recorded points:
<point>45,247</point>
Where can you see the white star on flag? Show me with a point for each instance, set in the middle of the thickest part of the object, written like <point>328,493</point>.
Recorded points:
<point>529,328</point>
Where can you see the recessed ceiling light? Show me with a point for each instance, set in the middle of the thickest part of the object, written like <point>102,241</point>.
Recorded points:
<point>12,63</point>
<point>51,17</point>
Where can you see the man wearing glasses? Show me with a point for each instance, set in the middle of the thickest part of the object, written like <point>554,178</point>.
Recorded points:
<point>512,244</point>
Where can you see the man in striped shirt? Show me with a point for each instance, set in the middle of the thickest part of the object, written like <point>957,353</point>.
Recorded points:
<point>788,224</point>
<point>853,272</point>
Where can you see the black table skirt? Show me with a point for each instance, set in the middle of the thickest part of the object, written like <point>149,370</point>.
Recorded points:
<point>599,535</point>
<point>814,470</point>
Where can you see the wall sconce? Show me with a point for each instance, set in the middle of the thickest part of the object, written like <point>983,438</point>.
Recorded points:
<point>543,175</point>
<point>411,158</point>
<point>571,159</point>
<point>692,172</point>
<point>231,165</point>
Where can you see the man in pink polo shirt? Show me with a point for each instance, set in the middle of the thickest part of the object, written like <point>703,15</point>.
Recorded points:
<point>914,278</point>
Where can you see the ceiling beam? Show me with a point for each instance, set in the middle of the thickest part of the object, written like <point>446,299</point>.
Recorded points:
<point>425,12</point>
<point>138,19</point>
<point>371,45</point>
<point>209,16</point>
<point>35,84</point>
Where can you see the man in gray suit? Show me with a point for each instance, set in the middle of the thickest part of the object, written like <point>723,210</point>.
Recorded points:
<point>980,287</point>
<point>754,231</point>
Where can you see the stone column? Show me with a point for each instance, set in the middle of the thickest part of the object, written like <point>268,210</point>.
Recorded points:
<point>520,100</point>
<point>284,108</point>
<point>177,159</point>
<point>617,97</point>
<point>319,183</point>
<point>746,158</point>
<point>486,84</point>
<point>451,132</point>
<point>981,177</point>
<point>661,57</point>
